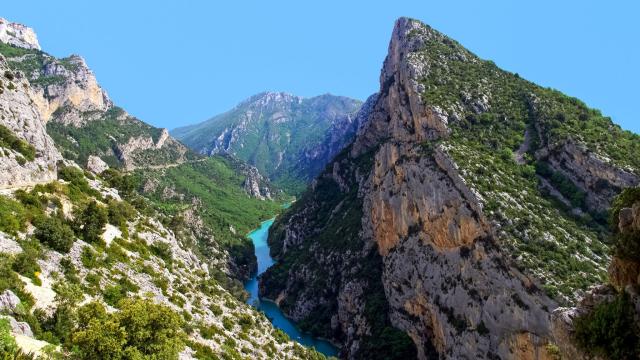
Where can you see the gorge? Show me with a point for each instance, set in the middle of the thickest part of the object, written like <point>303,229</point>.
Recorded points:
<point>460,212</point>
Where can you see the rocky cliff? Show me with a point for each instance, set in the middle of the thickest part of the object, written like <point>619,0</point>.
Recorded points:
<point>18,35</point>
<point>29,155</point>
<point>437,223</point>
<point>288,138</point>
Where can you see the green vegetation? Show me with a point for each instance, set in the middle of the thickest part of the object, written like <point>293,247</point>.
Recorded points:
<point>25,262</point>
<point>55,232</point>
<point>13,216</point>
<point>213,190</point>
<point>610,330</point>
<point>31,62</point>
<point>10,141</point>
<point>340,234</point>
<point>8,346</point>
<point>90,222</point>
<point>140,330</point>
<point>564,248</point>
<point>101,137</point>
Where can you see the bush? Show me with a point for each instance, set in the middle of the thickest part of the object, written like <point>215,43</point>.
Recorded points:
<point>120,212</point>
<point>12,216</point>
<point>8,346</point>
<point>90,222</point>
<point>141,329</point>
<point>609,330</point>
<point>125,184</point>
<point>26,263</point>
<point>89,257</point>
<point>163,251</point>
<point>113,294</point>
<point>55,233</point>
<point>626,245</point>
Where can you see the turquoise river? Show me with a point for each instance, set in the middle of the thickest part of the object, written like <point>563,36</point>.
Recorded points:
<point>259,238</point>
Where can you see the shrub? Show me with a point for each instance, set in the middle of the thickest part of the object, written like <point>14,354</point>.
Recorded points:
<point>227,323</point>
<point>113,294</point>
<point>120,212</point>
<point>8,346</point>
<point>626,245</point>
<point>79,188</point>
<point>26,263</point>
<point>90,222</point>
<point>609,330</point>
<point>89,257</point>
<point>55,233</point>
<point>163,251</point>
<point>12,216</point>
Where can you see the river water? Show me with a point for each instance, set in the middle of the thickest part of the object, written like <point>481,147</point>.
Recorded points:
<point>259,238</point>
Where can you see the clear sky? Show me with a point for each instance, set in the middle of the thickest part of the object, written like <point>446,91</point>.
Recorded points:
<point>172,63</point>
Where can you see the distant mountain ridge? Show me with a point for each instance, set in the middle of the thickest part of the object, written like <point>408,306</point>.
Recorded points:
<point>287,137</point>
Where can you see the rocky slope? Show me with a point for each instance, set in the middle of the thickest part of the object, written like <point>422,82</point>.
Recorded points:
<point>468,206</point>
<point>288,138</point>
<point>79,114</point>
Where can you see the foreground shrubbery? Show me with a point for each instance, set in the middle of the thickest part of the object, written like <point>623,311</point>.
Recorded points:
<point>140,330</point>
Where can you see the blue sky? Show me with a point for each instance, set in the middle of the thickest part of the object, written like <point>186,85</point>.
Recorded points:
<point>172,63</point>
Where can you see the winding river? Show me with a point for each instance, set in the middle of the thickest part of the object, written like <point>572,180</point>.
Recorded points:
<point>259,238</point>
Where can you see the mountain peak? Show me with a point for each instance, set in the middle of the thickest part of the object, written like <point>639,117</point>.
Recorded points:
<point>271,97</point>
<point>18,35</point>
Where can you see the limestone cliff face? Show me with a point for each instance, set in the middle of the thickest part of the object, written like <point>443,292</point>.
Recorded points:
<point>255,184</point>
<point>77,88</point>
<point>22,118</point>
<point>427,224</point>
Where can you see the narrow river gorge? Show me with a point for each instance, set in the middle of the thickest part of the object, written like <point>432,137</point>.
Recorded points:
<point>275,315</point>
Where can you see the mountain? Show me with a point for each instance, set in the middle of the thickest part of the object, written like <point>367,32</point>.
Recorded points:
<point>469,206</point>
<point>135,259</point>
<point>79,115</point>
<point>287,138</point>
